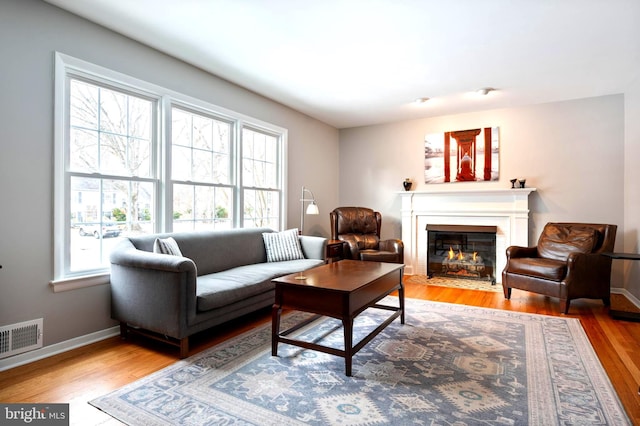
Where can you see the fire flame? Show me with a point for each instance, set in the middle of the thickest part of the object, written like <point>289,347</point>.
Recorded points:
<point>460,255</point>
<point>453,255</point>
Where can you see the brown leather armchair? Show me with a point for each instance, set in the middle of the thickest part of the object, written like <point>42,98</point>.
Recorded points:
<point>567,263</point>
<point>359,228</point>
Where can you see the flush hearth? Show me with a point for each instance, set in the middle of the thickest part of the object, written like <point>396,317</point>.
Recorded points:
<point>462,251</point>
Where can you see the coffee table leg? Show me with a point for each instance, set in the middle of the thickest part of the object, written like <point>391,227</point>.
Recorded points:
<point>276,311</point>
<point>401,297</point>
<point>347,324</point>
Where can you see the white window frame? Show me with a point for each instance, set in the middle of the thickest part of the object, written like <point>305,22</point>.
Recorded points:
<point>66,66</point>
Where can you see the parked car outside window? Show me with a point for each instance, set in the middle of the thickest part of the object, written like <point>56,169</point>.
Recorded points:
<point>106,229</point>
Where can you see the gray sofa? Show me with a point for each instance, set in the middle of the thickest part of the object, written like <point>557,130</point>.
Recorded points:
<point>222,275</point>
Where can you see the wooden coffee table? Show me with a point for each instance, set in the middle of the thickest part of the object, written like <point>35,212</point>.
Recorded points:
<point>340,290</point>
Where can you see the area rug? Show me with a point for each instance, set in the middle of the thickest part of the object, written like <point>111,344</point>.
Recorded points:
<point>467,284</point>
<point>448,365</point>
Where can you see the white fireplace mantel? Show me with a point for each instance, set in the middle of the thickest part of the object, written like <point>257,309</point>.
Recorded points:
<point>507,209</point>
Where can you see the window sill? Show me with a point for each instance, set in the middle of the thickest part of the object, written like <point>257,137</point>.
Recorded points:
<point>67,284</point>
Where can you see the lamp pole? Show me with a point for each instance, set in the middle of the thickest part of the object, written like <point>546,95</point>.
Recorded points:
<point>311,209</point>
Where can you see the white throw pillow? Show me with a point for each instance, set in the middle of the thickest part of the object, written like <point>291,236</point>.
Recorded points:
<point>166,246</point>
<point>282,245</point>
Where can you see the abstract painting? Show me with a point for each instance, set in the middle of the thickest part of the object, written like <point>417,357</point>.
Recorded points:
<point>462,156</point>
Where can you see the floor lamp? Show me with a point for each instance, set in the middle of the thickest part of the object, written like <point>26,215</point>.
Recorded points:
<point>312,208</point>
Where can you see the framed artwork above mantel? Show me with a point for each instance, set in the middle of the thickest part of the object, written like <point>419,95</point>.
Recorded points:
<point>471,155</point>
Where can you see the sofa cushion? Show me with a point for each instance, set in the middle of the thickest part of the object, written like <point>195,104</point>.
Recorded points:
<point>166,246</point>
<point>283,245</point>
<point>226,287</point>
<point>548,269</point>
<point>557,241</point>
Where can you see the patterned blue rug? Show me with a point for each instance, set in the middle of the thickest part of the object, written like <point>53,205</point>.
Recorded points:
<point>448,365</point>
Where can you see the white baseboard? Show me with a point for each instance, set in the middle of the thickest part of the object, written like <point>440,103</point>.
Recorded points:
<point>67,345</point>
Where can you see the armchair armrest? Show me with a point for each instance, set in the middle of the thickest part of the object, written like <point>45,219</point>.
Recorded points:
<point>514,252</point>
<point>392,245</point>
<point>353,247</point>
<point>591,272</point>
<point>313,247</point>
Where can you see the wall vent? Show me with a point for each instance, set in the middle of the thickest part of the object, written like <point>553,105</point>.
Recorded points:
<point>21,337</point>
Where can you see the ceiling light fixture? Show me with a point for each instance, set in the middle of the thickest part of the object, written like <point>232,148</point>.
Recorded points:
<point>485,90</point>
<point>421,100</point>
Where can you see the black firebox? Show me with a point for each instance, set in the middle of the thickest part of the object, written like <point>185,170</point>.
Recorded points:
<point>462,251</point>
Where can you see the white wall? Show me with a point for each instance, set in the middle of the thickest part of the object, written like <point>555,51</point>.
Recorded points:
<point>31,31</point>
<point>632,188</point>
<point>572,152</point>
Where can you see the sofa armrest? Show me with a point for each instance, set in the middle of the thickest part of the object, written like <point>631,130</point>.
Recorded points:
<point>135,258</point>
<point>154,291</point>
<point>313,247</point>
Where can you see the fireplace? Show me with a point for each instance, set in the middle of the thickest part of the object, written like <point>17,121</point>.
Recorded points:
<point>462,251</point>
<point>506,209</point>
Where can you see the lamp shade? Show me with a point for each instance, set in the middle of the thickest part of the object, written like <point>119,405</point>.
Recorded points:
<point>312,208</point>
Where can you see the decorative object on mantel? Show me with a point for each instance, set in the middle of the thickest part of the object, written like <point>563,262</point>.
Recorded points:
<point>521,181</point>
<point>513,183</point>
<point>462,156</point>
<point>407,184</point>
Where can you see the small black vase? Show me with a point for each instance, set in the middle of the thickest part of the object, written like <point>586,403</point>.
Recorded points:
<point>407,184</point>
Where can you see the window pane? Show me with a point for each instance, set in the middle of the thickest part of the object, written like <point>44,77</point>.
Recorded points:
<point>113,112</point>
<point>222,137</point>
<point>140,124</point>
<point>113,151</point>
<point>84,150</point>
<point>183,203</point>
<point>137,211</point>
<point>181,163</point>
<point>102,210</point>
<point>201,148</point>
<point>221,168</point>
<point>202,207</point>
<point>139,156</point>
<point>121,144</point>
<point>259,163</point>
<point>83,105</point>
<point>180,128</point>
<point>202,132</point>
<point>261,209</point>
<point>202,166</point>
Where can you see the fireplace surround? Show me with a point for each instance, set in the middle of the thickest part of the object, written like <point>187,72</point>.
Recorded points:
<point>506,209</point>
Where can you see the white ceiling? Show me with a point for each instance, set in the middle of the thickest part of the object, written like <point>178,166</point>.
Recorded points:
<point>359,62</point>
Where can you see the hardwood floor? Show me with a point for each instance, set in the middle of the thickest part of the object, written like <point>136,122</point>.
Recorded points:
<point>80,375</point>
